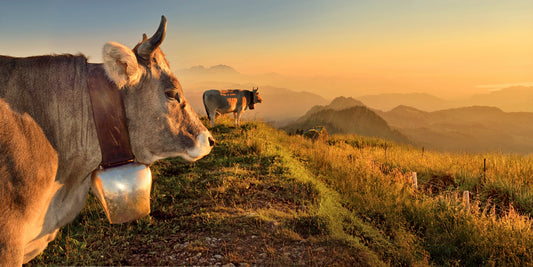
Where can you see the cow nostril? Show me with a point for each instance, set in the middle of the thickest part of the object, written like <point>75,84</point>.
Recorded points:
<point>211,141</point>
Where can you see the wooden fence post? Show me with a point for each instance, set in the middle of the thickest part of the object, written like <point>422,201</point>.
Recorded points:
<point>484,170</point>
<point>466,200</point>
<point>414,180</point>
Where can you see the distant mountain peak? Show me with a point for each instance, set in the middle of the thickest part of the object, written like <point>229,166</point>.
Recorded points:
<point>339,103</point>
<point>405,108</point>
<point>222,67</point>
<point>344,102</point>
<point>197,68</point>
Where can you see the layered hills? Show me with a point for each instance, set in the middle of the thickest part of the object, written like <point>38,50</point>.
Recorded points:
<point>466,129</point>
<point>347,116</point>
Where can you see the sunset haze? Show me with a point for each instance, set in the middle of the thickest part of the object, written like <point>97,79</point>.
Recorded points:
<point>445,48</point>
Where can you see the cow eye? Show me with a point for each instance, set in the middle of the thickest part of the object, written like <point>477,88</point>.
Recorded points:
<point>173,95</point>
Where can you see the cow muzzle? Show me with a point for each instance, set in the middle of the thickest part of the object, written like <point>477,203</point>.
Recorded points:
<point>204,144</point>
<point>124,191</point>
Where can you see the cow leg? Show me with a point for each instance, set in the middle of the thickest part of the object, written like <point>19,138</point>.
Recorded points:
<point>212,117</point>
<point>237,116</point>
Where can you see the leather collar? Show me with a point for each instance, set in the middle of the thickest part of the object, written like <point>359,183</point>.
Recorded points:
<point>109,118</point>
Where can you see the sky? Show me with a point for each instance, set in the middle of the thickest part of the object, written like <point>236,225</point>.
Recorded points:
<point>442,47</point>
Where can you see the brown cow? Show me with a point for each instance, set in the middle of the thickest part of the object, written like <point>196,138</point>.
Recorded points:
<point>226,101</point>
<point>26,159</point>
<point>53,92</point>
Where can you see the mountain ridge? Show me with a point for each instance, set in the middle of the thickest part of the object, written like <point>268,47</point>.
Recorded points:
<point>465,129</point>
<point>338,103</point>
<point>339,117</point>
<point>509,99</point>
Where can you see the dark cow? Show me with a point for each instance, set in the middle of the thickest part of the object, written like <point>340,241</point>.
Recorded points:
<point>53,92</point>
<point>226,101</point>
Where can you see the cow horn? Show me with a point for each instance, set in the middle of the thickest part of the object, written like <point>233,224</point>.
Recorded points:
<point>148,46</point>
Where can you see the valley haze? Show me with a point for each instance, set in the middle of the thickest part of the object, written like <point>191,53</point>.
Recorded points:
<point>497,121</point>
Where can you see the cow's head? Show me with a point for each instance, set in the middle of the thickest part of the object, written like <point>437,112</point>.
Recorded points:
<point>161,122</point>
<point>257,97</point>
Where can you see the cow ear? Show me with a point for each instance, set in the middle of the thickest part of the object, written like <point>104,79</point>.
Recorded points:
<point>121,65</point>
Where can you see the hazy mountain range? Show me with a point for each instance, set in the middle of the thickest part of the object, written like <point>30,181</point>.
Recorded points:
<point>467,129</point>
<point>479,123</point>
<point>472,129</point>
<point>419,100</point>
<point>511,99</point>
<point>322,86</point>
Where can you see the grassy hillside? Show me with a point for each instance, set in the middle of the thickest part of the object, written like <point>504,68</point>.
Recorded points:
<point>263,197</point>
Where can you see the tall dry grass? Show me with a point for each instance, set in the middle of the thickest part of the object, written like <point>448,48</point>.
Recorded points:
<point>372,177</point>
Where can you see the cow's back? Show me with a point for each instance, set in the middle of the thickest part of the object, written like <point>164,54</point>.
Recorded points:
<point>53,91</point>
<point>28,166</point>
<point>215,100</point>
<point>224,101</point>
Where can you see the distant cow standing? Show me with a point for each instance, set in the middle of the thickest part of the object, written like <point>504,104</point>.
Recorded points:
<point>226,101</point>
